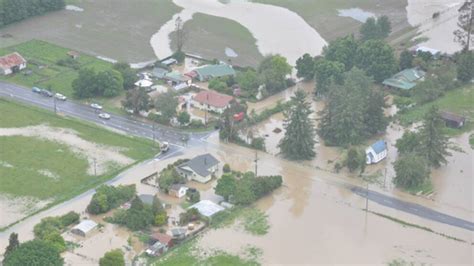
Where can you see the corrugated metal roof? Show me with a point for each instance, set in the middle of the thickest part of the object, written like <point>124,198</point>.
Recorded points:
<point>405,79</point>
<point>85,226</point>
<point>215,71</point>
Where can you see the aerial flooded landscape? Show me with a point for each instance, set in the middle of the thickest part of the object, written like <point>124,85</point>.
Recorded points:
<point>236,132</point>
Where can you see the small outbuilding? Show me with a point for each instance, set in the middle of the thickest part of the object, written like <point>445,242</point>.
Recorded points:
<point>377,152</point>
<point>178,233</point>
<point>177,190</point>
<point>73,54</point>
<point>453,120</point>
<point>84,228</point>
<point>207,208</point>
<point>12,63</point>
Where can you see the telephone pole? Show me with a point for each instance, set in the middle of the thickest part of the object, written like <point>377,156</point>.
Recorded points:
<point>54,102</point>
<point>153,130</point>
<point>367,198</point>
<point>256,162</point>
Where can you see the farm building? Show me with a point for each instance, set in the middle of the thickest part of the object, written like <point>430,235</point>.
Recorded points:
<point>405,80</point>
<point>453,120</point>
<point>377,152</point>
<point>208,72</point>
<point>12,63</point>
<point>177,190</point>
<point>212,101</point>
<point>162,243</point>
<point>84,228</point>
<point>200,168</point>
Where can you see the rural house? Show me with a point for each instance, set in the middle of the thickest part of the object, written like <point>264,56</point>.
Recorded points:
<point>208,72</point>
<point>377,152</point>
<point>12,63</point>
<point>212,101</point>
<point>405,79</point>
<point>177,190</point>
<point>162,243</point>
<point>200,168</point>
<point>453,120</point>
<point>84,228</point>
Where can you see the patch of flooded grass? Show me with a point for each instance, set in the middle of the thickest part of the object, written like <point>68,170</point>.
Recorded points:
<point>255,222</point>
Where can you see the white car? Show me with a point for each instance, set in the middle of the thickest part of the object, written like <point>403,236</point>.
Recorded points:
<point>165,146</point>
<point>59,96</point>
<point>96,106</point>
<point>104,116</point>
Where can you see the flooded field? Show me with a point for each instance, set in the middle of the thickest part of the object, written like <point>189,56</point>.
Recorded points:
<point>439,30</point>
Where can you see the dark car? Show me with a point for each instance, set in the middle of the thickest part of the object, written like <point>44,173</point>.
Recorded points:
<point>36,90</point>
<point>46,93</point>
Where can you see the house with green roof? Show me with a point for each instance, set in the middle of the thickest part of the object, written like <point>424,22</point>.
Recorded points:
<point>406,79</point>
<point>213,71</point>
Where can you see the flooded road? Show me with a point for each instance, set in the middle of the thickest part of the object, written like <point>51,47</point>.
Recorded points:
<point>293,38</point>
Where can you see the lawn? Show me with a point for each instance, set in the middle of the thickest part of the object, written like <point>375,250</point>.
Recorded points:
<point>31,156</point>
<point>459,101</point>
<point>42,58</point>
<point>217,34</point>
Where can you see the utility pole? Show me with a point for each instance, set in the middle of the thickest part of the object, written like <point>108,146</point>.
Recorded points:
<point>95,167</point>
<point>153,130</point>
<point>205,114</point>
<point>256,162</point>
<point>54,102</point>
<point>367,198</point>
<point>385,178</point>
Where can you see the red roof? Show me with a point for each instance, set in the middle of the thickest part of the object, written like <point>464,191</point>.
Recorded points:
<point>163,238</point>
<point>213,98</point>
<point>11,60</point>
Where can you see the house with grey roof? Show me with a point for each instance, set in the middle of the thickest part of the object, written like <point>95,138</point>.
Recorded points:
<point>405,79</point>
<point>201,168</point>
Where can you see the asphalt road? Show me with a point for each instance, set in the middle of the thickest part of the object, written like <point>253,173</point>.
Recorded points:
<point>127,124</point>
<point>138,128</point>
<point>412,208</point>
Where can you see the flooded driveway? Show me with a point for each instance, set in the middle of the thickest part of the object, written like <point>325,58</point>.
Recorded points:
<point>293,38</point>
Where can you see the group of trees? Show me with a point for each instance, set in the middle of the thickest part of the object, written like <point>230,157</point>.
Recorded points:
<point>34,252</point>
<point>14,10</point>
<point>137,100</point>
<point>50,229</point>
<point>169,176</point>
<point>420,150</point>
<point>138,217</point>
<point>109,197</point>
<point>166,103</point>
<point>375,28</point>
<point>246,188</point>
<point>354,111</point>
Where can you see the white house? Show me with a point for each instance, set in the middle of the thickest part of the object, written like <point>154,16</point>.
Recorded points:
<point>11,63</point>
<point>201,168</point>
<point>212,101</point>
<point>84,228</point>
<point>177,190</point>
<point>377,152</point>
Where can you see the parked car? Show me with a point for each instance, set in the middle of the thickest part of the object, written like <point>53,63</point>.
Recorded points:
<point>46,93</point>
<point>36,90</point>
<point>96,106</point>
<point>104,116</point>
<point>59,96</point>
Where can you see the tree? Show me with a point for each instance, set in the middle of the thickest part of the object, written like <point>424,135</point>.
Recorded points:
<point>184,118</point>
<point>128,74</point>
<point>298,142</point>
<point>354,111</point>
<point>218,85</point>
<point>411,171</point>
<point>244,193</point>
<point>34,252</point>
<point>168,177</point>
<point>226,186</point>
<point>355,159</point>
<point>139,216</point>
<point>190,215</point>
<point>249,81</point>
<point>112,258</point>
<point>226,168</point>
<point>273,71</point>
<point>109,83</point>
<point>433,142</point>
<point>137,100</point>
<point>465,33</point>
<point>327,72</point>
<point>406,60</point>
<point>408,143</point>
<point>109,197</point>
<point>377,59</point>
<point>193,195</point>
<point>342,50</point>
<point>85,85</point>
<point>157,206</point>
<point>465,66</point>
<point>167,103</point>
<point>13,244</point>
<point>375,28</point>
<point>427,90</point>
<point>180,34</point>
<point>305,67</point>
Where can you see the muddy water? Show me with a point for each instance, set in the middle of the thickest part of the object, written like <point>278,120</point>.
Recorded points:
<point>440,30</point>
<point>293,38</point>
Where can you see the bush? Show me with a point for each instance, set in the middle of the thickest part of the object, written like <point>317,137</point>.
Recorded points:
<point>190,215</point>
<point>69,62</point>
<point>69,218</point>
<point>179,56</point>
<point>226,168</point>
<point>193,195</point>
<point>109,197</point>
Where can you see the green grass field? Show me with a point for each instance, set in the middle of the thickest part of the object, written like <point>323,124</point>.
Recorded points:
<point>29,155</point>
<point>459,101</point>
<point>208,36</point>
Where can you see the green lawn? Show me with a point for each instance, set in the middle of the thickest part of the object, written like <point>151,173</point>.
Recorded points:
<point>29,156</point>
<point>208,36</point>
<point>459,101</point>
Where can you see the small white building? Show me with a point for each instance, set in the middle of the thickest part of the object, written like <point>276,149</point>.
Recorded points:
<point>84,228</point>
<point>12,63</point>
<point>201,168</point>
<point>377,152</point>
<point>177,190</point>
<point>144,83</point>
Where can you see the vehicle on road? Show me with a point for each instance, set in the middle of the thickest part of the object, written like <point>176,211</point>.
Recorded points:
<point>36,90</point>
<point>96,106</point>
<point>165,146</point>
<point>59,96</point>
<point>104,116</point>
<point>46,93</point>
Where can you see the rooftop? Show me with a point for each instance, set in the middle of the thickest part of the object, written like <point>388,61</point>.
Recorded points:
<point>213,98</point>
<point>215,71</point>
<point>452,117</point>
<point>10,60</point>
<point>201,164</point>
<point>207,208</point>
<point>162,238</point>
<point>405,79</point>
<point>379,146</point>
<point>85,226</point>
